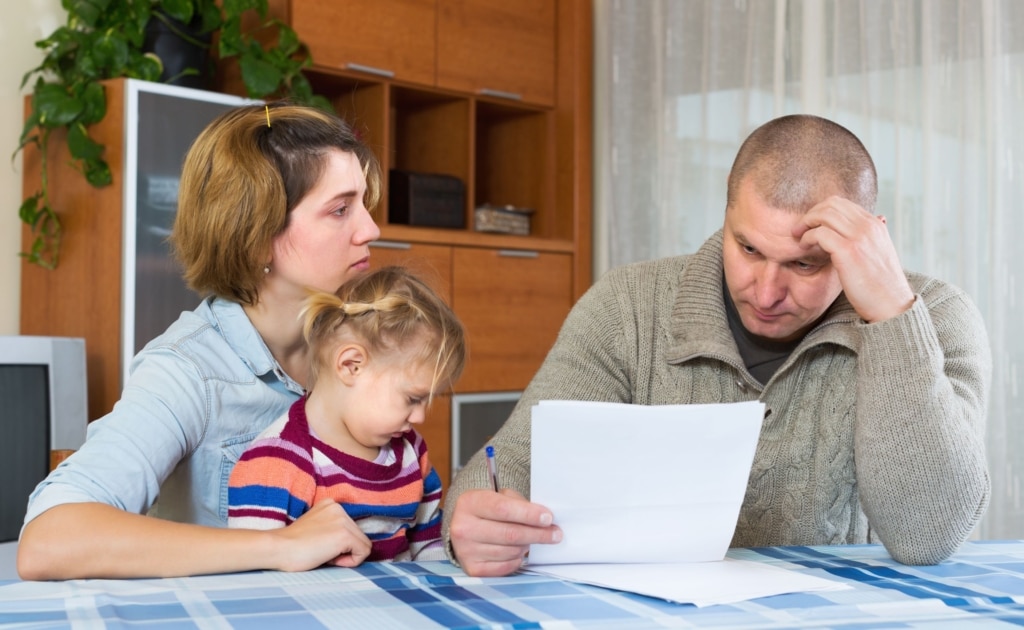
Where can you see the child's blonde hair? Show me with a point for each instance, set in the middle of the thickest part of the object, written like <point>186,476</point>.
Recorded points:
<point>386,310</point>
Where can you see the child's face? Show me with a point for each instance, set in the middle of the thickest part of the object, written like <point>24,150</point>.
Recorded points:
<point>388,399</point>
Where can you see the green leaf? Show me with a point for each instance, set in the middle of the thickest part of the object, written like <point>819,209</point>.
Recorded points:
<point>31,123</point>
<point>55,106</point>
<point>260,78</point>
<point>80,145</point>
<point>181,10</point>
<point>148,67</point>
<point>210,17</point>
<point>97,172</point>
<point>237,7</point>
<point>88,12</point>
<point>230,38</point>
<point>287,39</point>
<point>111,54</point>
<point>94,103</point>
<point>322,103</point>
<point>134,28</point>
<point>29,210</point>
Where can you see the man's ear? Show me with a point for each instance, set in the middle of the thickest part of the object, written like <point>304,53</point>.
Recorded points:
<point>350,362</point>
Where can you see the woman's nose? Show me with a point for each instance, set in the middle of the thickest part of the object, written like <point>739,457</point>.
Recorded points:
<point>368,229</point>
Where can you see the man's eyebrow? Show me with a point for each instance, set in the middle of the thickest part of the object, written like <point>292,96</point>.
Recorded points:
<point>815,259</point>
<point>740,238</point>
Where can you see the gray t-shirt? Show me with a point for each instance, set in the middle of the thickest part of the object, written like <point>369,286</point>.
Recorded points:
<point>761,356</point>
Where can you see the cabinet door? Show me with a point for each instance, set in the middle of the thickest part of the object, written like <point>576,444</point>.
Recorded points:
<point>394,38</point>
<point>512,304</point>
<point>497,46</point>
<point>432,263</point>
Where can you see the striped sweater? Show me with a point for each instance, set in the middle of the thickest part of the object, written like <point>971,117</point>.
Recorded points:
<point>395,499</point>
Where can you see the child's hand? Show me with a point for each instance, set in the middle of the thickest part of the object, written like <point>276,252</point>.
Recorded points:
<point>323,535</point>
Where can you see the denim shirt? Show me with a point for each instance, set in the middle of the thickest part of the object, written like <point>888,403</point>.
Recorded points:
<point>197,395</point>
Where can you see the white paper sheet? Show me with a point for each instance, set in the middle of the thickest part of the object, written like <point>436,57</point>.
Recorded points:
<point>699,583</point>
<point>641,483</point>
<point>647,498</point>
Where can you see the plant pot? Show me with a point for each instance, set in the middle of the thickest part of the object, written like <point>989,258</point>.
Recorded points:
<point>180,48</point>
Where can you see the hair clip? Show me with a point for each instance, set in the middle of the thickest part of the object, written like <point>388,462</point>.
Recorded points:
<point>267,107</point>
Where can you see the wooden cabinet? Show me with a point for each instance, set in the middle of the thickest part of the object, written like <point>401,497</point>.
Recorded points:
<point>498,47</point>
<point>432,263</point>
<point>507,112</point>
<point>506,152</point>
<point>489,47</point>
<point>512,303</point>
<point>395,39</point>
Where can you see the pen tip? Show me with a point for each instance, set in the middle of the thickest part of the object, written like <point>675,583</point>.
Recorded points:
<point>490,451</point>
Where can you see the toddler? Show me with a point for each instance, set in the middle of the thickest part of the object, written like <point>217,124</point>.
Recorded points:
<point>383,346</point>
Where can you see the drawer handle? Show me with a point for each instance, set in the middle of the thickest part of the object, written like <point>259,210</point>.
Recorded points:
<point>517,253</point>
<point>390,245</point>
<point>512,96</point>
<point>381,72</point>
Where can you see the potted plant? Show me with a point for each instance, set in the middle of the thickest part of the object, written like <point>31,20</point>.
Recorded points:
<point>106,39</point>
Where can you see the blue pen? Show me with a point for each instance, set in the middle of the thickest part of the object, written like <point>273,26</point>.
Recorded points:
<point>492,467</point>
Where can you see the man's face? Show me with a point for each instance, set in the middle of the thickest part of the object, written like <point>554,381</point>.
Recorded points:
<point>779,288</point>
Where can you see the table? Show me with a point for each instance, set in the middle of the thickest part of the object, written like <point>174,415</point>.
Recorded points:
<point>982,585</point>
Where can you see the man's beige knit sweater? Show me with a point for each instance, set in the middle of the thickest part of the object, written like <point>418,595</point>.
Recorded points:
<point>874,432</point>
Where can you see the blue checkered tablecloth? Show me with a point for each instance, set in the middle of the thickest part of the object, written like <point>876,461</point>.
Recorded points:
<point>982,585</point>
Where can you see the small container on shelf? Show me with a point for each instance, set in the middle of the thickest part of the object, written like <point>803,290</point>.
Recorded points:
<point>502,219</point>
<point>426,199</point>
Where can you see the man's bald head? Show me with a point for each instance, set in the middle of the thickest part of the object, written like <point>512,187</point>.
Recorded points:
<point>797,161</point>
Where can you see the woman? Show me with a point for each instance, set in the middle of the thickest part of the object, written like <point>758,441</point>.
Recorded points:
<point>273,202</point>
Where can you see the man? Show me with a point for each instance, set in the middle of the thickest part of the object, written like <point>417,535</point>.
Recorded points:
<point>875,380</point>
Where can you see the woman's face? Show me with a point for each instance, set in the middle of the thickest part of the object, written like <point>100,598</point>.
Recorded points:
<point>329,231</point>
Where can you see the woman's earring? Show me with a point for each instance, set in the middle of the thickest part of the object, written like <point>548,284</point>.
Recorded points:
<point>266,268</point>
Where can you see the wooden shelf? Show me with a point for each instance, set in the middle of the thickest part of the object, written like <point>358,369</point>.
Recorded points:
<point>507,111</point>
<point>411,234</point>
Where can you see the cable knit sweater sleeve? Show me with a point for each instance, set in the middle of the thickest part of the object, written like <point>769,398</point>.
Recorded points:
<point>922,385</point>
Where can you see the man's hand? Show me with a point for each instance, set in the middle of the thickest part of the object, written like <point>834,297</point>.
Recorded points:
<point>492,532</point>
<point>862,253</point>
<point>323,535</point>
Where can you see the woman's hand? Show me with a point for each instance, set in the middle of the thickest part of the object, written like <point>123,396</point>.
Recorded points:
<point>492,532</point>
<point>323,535</point>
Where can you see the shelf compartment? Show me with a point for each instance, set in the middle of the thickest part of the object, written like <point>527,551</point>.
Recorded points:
<point>514,162</point>
<point>429,132</point>
<point>360,102</point>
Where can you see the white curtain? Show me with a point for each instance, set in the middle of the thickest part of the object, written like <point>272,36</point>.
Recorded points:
<point>932,87</point>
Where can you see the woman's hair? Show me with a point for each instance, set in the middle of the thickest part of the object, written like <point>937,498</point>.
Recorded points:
<point>386,310</point>
<point>796,161</point>
<point>240,180</point>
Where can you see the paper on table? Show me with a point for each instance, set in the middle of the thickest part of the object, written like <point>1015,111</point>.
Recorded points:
<point>647,499</point>
<point>641,483</point>
<point>697,583</point>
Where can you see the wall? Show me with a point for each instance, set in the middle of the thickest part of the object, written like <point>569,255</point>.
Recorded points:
<point>24,23</point>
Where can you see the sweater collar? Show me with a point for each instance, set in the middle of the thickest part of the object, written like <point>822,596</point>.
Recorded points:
<point>699,325</point>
